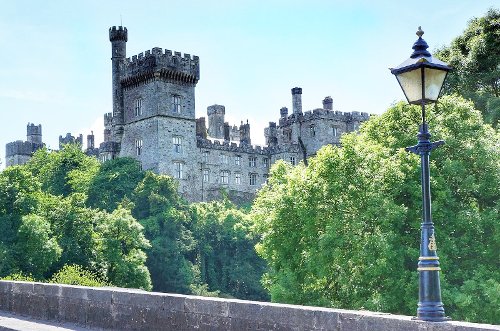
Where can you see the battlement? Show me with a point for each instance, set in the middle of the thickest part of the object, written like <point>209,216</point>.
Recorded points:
<point>321,113</point>
<point>245,148</point>
<point>231,147</point>
<point>216,109</point>
<point>33,130</point>
<point>109,147</point>
<point>118,33</point>
<point>108,119</point>
<point>155,63</point>
<point>20,147</point>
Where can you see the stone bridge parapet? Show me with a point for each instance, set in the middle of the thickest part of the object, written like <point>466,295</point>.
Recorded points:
<point>126,309</point>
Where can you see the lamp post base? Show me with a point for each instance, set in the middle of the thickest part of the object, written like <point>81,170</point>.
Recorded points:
<point>431,312</point>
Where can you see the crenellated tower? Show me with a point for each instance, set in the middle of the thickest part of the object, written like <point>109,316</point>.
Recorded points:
<point>118,37</point>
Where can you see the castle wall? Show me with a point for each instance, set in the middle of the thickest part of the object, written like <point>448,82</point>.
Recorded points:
<point>20,152</point>
<point>157,99</point>
<point>239,170</point>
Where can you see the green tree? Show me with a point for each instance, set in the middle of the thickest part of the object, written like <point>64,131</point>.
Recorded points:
<point>115,180</point>
<point>123,245</point>
<point>225,254</point>
<point>19,191</point>
<point>165,217</point>
<point>64,172</point>
<point>344,232</point>
<point>475,58</point>
<point>36,246</point>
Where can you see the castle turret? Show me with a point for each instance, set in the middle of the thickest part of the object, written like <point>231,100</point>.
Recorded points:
<point>69,139</point>
<point>297,100</point>
<point>226,131</point>
<point>284,112</point>
<point>245,134</point>
<point>19,152</point>
<point>201,128</point>
<point>328,103</point>
<point>34,133</point>
<point>118,37</point>
<point>216,121</point>
<point>90,140</point>
<point>271,134</point>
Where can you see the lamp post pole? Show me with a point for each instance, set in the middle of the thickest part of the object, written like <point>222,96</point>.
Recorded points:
<point>430,306</point>
<point>421,77</point>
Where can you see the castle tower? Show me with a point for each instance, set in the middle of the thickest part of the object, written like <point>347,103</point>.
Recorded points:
<point>201,128</point>
<point>118,37</point>
<point>34,133</point>
<point>271,134</point>
<point>90,140</point>
<point>328,103</point>
<point>284,112</point>
<point>216,121</point>
<point>297,100</point>
<point>245,134</point>
<point>19,152</point>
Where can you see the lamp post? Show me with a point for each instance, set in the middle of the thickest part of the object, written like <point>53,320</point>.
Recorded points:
<point>421,78</point>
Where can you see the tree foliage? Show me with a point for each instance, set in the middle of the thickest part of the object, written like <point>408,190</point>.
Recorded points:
<point>344,232</point>
<point>115,180</point>
<point>165,218</point>
<point>66,171</point>
<point>475,58</point>
<point>225,256</point>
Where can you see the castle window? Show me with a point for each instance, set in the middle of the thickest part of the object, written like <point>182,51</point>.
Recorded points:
<point>177,141</point>
<point>237,178</point>
<point>288,135</point>
<point>138,147</point>
<point>224,177</point>
<point>176,104</point>
<point>224,159</point>
<point>253,179</point>
<point>138,107</point>
<point>252,161</point>
<point>312,131</point>
<point>206,175</point>
<point>178,170</point>
<point>237,160</point>
<point>335,131</point>
<point>292,160</point>
<point>265,162</point>
<point>205,156</point>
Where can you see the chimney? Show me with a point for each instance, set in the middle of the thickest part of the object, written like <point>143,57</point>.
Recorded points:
<point>328,103</point>
<point>297,100</point>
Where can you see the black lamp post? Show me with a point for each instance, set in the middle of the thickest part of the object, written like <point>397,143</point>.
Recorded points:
<point>421,77</point>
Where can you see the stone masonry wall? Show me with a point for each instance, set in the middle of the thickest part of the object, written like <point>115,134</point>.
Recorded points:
<point>126,309</point>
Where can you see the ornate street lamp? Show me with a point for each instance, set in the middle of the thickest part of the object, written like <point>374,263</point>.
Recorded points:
<point>421,77</point>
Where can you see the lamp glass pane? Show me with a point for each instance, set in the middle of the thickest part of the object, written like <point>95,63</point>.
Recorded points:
<point>434,79</point>
<point>411,83</point>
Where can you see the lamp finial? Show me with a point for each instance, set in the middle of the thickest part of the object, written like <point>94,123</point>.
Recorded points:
<point>420,32</point>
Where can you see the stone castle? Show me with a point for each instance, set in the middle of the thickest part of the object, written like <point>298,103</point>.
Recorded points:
<point>153,121</point>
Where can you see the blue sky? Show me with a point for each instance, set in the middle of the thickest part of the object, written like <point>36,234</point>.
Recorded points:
<point>55,66</point>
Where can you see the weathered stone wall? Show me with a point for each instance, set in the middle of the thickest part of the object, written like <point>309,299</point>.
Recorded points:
<point>125,309</point>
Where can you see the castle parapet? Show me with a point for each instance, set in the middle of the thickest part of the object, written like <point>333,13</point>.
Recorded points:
<point>20,147</point>
<point>118,33</point>
<point>321,113</point>
<point>231,147</point>
<point>158,64</point>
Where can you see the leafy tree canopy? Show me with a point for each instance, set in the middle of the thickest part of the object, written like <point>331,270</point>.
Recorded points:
<point>344,232</point>
<point>475,58</point>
